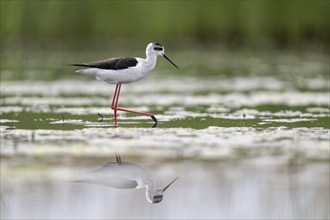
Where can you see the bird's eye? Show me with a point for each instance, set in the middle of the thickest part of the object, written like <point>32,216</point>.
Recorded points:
<point>158,48</point>
<point>157,198</point>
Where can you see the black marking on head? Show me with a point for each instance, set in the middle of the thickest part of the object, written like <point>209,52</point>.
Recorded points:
<point>158,48</point>
<point>157,198</point>
<point>113,63</point>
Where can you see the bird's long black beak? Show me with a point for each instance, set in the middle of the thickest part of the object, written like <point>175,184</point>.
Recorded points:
<point>170,60</point>
<point>169,184</point>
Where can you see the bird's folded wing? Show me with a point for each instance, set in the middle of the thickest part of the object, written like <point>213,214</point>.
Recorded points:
<point>110,64</point>
<point>118,183</point>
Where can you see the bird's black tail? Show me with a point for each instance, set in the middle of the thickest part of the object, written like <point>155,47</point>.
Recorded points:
<point>76,64</point>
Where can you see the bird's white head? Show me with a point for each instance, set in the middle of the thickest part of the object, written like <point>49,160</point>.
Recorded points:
<point>156,49</point>
<point>156,195</point>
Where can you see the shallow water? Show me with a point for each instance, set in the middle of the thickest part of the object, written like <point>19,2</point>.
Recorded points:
<point>251,144</point>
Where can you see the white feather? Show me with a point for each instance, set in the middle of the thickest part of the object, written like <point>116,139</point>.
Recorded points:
<point>131,74</point>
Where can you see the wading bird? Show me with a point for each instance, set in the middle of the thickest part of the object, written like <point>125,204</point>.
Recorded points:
<point>124,70</point>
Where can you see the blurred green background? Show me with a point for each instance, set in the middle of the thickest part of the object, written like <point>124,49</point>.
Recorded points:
<point>38,36</point>
<point>284,24</point>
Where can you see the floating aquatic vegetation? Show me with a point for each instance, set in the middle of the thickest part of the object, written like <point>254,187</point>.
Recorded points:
<point>231,138</point>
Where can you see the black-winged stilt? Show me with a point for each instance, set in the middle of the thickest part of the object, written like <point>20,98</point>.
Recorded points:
<point>123,70</point>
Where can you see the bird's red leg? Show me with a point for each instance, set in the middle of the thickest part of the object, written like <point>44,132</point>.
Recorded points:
<point>135,112</point>
<point>115,107</point>
<point>114,96</point>
<point>118,92</point>
<point>118,158</point>
<point>114,103</point>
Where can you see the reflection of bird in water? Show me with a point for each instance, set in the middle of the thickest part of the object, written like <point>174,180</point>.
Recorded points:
<point>124,175</point>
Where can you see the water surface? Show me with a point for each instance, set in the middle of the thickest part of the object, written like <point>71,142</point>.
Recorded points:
<point>248,137</point>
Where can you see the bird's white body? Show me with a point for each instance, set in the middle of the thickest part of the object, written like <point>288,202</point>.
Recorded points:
<point>121,175</point>
<point>127,75</point>
<point>131,74</point>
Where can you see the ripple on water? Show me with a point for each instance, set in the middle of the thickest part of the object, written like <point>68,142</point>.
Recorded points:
<point>195,120</point>
<point>165,142</point>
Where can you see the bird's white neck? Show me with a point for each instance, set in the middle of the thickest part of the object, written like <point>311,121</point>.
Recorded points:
<point>151,190</point>
<point>151,60</point>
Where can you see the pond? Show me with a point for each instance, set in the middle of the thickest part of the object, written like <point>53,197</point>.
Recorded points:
<point>247,135</point>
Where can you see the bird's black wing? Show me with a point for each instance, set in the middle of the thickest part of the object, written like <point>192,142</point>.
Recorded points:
<point>112,63</point>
